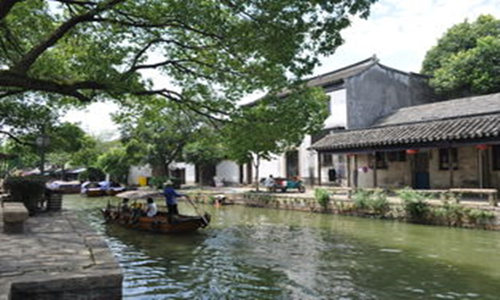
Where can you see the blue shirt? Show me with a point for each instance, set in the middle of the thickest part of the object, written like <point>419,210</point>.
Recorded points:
<point>171,195</point>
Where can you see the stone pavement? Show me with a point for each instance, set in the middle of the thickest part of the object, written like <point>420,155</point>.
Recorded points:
<point>339,196</point>
<point>58,257</point>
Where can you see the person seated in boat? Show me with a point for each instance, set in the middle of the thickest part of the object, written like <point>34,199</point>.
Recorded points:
<point>151,208</point>
<point>125,208</point>
<point>171,198</point>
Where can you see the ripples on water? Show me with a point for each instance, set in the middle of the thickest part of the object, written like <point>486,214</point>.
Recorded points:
<point>251,253</point>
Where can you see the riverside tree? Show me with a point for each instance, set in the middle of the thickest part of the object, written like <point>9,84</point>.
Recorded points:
<point>156,133</point>
<point>466,60</point>
<point>274,124</point>
<point>77,51</point>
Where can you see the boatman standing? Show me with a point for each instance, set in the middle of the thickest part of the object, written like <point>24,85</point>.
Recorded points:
<point>171,198</point>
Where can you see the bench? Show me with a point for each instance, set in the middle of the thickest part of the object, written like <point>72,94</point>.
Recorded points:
<point>14,215</point>
<point>491,193</point>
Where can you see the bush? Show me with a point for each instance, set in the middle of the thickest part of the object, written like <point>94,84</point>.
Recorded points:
<point>375,202</point>
<point>158,181</point>
<point>480,217</point>
<point>92,174</point>
<point>361,199</point>
<point>379,204</point>
<point>28,190</point>
<point>450,214</point>
<point>416,209</point>
<point>322,197</point>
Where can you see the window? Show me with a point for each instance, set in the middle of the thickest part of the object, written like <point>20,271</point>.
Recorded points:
<point>381,160</point>
<point>327,160</point>
<point>444,159</point>
<point>396,156</point>
<point>495,154</point>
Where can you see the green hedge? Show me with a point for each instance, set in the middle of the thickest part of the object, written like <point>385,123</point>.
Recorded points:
<point>92,174</point>
<point>158,181</point>
<point>28,190</point>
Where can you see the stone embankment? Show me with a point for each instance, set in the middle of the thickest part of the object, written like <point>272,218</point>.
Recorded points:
<point>342,204</point>
<point>57,257</point>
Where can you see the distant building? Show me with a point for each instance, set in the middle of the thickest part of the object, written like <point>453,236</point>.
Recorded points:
<point>454,143</point>
<point>359,95</point>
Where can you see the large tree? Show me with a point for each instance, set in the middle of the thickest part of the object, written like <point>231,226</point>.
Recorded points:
<point>156,133</point>
<point>274,124</point>
<point>214,50</point>
<point>466,60</point>
<point>64,139</point>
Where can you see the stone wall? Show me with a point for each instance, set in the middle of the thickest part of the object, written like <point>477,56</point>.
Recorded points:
<point>380,90</point>
<point>398,174</point>
<point>467,175</point>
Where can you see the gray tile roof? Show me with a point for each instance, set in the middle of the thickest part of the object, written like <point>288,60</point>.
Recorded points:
<point>342,73</point>
<point>443,110</point>
<point>462,120</point>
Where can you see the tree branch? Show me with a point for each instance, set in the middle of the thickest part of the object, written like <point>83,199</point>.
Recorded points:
<point>9,79</point>
<point>11,93</point>
<point>77,2</point>
<point>16,139</point>
<point>6,6</point>
<point>25,63</point>
<point>167,23</point>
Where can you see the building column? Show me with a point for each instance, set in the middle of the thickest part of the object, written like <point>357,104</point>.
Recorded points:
<point>348,161</point>
<point>319,168</point>
<point>355,175</point>
<point>374,161</point>
<point>450,167</point>
<point>480,168</point>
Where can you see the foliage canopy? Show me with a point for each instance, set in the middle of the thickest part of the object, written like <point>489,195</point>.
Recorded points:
<point>466,60</point>
<point>216,51</point>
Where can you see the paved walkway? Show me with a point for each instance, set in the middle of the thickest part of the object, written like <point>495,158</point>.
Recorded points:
<point>342,196</point>
<point>58,256</point>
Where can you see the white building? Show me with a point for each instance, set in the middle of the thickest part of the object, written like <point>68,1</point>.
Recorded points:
<point>359,95</point>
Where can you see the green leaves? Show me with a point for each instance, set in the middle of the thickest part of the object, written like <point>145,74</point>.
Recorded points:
<point>466,60</point>
<point>216,51</point>
<point>275,124</point>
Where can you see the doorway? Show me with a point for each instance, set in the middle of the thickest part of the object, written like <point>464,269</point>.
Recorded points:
<point>292,163</point>
<point>422,171</point>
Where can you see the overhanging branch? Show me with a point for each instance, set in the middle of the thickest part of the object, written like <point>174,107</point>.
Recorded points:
<point>25,63</point>
<point>16,139</point>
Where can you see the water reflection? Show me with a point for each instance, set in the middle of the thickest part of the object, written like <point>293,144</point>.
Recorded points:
<point>250,253</point>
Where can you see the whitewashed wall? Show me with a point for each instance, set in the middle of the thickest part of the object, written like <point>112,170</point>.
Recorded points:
<point>338,109</point>
<point>137,171</point>
<point>228,171</point>
<point>190,171</point>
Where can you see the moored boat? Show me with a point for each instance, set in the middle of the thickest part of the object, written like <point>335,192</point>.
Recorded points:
<point>63,187</point>
<point>160,223</point>
<point>102,188</point>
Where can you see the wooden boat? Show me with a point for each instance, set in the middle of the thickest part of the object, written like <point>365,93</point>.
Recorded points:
<point>95,192</point>
<point>100,189</point>
<point>64,187</point>
<point>160,223</point>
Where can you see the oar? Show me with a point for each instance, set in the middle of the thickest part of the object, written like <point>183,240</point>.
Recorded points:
<point>196,210</point>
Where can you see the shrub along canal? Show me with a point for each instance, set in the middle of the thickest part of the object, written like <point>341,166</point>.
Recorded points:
<point>258,253</point>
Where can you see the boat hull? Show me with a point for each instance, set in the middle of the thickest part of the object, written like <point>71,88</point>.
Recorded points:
<point>158,224</point>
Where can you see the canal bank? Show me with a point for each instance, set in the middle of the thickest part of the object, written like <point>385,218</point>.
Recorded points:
<point>261,253</point>
<point>57,257</point>
<point>451,210</point>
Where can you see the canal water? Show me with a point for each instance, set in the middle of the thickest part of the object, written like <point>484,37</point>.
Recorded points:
<point>256,253</point>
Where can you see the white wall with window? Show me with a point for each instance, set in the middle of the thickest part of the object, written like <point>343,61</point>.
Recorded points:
<point>337,109</point>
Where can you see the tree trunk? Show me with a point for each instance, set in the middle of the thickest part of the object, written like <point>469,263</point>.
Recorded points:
<point>257,163</point>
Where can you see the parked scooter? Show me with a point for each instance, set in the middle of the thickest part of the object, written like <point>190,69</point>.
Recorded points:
<point>284,184</point>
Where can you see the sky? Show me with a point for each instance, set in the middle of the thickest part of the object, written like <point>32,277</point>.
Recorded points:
<point>398,32</point>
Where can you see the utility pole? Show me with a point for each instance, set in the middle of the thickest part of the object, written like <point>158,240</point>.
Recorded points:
<point>42,141</point>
